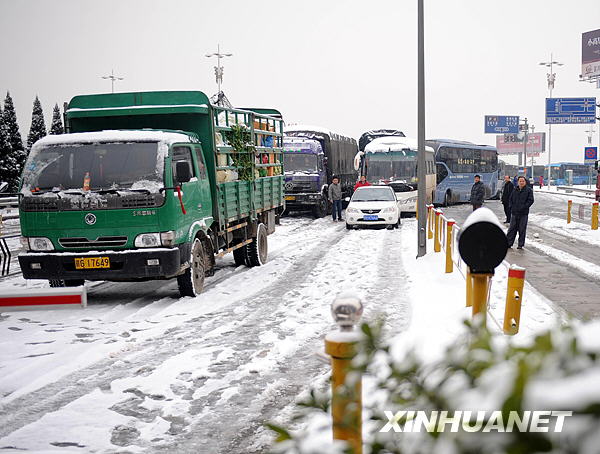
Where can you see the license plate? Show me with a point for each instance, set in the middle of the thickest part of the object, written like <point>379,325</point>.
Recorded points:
<point>290,197</point>
<point>86,263</point>
<point>370,217</point>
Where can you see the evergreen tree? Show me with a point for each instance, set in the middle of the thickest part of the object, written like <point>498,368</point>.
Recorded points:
<point>12,162</point>
<point>57,126</point>
<point>5,149</point>
<point>38,125</point>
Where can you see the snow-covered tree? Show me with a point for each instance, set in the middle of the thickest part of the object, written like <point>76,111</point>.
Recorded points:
<point>5,149</point>
<point>38,125</point>
<point>12,162</point>
<point>57,126</point>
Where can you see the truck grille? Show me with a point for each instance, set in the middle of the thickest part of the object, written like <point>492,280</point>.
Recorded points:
<point>102,241</point>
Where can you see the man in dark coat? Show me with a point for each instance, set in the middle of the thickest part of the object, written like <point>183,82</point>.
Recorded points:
<point>477,193</point>
<point>507,190</point>
<point>520,201</point>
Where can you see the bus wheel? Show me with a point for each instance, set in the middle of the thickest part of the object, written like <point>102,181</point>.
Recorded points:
<point>258,250</point>
<point>447,199</point>
<point>191,282</point>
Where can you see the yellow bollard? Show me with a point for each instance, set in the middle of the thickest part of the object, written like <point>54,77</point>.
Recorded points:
<point>346,401</point>
<point>481,291</point>
<point>569,206</point>
<point>430,217</point>
<point>514,299</point>
<point>469,280</point>
<point>595,216</point>
<point>437,247</point>
<point>449,262</point>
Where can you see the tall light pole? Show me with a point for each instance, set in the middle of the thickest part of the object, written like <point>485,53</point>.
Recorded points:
<point>422,211</point>
<point>219,68</point>
<point>112,78</point>
<point>551,78</point>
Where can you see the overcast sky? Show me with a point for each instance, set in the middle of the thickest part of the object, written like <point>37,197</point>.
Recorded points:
<point>348,65</point>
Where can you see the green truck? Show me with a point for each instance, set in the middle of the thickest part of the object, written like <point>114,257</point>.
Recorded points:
<point>150,185</point>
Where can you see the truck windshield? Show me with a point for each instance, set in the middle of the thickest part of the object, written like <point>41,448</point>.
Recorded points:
<point>95,166</point>
<point>299,162</point>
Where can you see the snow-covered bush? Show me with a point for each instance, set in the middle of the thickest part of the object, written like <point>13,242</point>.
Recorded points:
<point>558,370</point>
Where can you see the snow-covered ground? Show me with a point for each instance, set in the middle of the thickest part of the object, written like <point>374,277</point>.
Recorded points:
<point>142,370</point>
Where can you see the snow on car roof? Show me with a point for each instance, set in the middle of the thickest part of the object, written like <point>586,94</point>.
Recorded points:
<point>393,143</point>
<point>113,136</point>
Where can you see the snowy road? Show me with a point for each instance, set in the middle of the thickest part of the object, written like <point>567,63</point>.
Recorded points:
<point>142,370</point>
<point>562,260</point>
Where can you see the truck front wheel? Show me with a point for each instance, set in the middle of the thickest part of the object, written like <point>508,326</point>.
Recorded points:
<point>258,250</point>
<point>191,282</point>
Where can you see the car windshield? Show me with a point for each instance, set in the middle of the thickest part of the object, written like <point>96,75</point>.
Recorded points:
<point>299,162</point>
<point>373,194</point>
<point>97,166</point>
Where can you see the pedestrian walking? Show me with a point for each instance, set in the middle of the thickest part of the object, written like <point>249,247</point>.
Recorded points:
<point>521,199</point>
<point>477,193</point>
<point>507,190</point>
<point>541,181</point>
<point>362,182</point>
<point>335,197</point>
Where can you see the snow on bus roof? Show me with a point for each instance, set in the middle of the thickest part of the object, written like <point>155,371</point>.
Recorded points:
<point>113,136</point>
<point>393,143</point>
<point>295,128</point>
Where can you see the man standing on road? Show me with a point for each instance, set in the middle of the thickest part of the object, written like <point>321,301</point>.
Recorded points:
<point>335,197</point>
<point>477,193</point>
<point>362,182</point>
<point>507,190</point>
<point>520,201</point>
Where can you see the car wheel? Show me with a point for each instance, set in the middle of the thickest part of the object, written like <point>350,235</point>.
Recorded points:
<point>348,226</point>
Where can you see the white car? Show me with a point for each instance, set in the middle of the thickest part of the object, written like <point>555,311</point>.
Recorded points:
<point>373,205</point>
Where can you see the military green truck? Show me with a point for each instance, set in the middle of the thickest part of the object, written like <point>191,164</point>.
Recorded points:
<point>152,185</point>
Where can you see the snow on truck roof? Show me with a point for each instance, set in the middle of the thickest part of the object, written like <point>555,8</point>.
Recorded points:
<point>393,143</point>
<point>113,136</point>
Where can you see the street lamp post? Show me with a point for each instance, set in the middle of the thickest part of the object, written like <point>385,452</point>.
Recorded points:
<point>112,78</point>
<point>421,193</point>
<point>551,78</point>
<point>218,68</point>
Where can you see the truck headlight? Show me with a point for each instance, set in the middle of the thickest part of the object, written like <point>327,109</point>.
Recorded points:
<point>40,244</point>
<point>147,240</point>
<point>167,238</point>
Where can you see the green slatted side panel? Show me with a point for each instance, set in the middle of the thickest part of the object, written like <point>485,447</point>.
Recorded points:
<point>234,200</point>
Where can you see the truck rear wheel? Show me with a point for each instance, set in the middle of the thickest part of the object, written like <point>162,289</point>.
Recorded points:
<point>257,251</point>
<point>240,256</point>
<point>191,282</point>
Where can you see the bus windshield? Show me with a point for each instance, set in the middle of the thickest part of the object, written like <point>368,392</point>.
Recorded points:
<point>99,165</point>
<point>392,165</point>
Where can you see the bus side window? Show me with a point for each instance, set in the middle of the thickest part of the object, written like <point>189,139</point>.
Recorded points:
<point>442,173</point>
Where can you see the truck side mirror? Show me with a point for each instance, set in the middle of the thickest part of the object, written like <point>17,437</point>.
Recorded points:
<point>482,243</point>
<point>182,171</point>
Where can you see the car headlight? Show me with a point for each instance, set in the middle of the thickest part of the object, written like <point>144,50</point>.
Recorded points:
<point>147,240</point>
<point>389,210</point>
<point>39,244</point>
<point>352,210</point>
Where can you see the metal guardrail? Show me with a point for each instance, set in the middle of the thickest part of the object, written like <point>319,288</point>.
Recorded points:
<point>571,189</point>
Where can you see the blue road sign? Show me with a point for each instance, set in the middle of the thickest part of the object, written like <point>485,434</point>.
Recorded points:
<point>570,110</point>
<point>501,124</point>
<point>590,155</point>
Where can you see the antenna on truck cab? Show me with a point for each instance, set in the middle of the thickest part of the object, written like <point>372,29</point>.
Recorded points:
<point>219,68</point>
<point>112,78</point>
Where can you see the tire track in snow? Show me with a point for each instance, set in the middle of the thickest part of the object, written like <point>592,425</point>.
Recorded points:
<point>34,405</point>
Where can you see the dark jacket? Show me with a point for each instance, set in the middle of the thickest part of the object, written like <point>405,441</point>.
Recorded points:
<point>477,193</point>
<point>507,190</point>
<point>521,200</point>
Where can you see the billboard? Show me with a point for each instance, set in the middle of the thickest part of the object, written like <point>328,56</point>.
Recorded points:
<point>508,144</point>
<point>590,54</point>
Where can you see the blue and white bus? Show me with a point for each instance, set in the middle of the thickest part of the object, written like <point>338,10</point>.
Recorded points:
<point>457,163</point>
<point>581,173</point>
